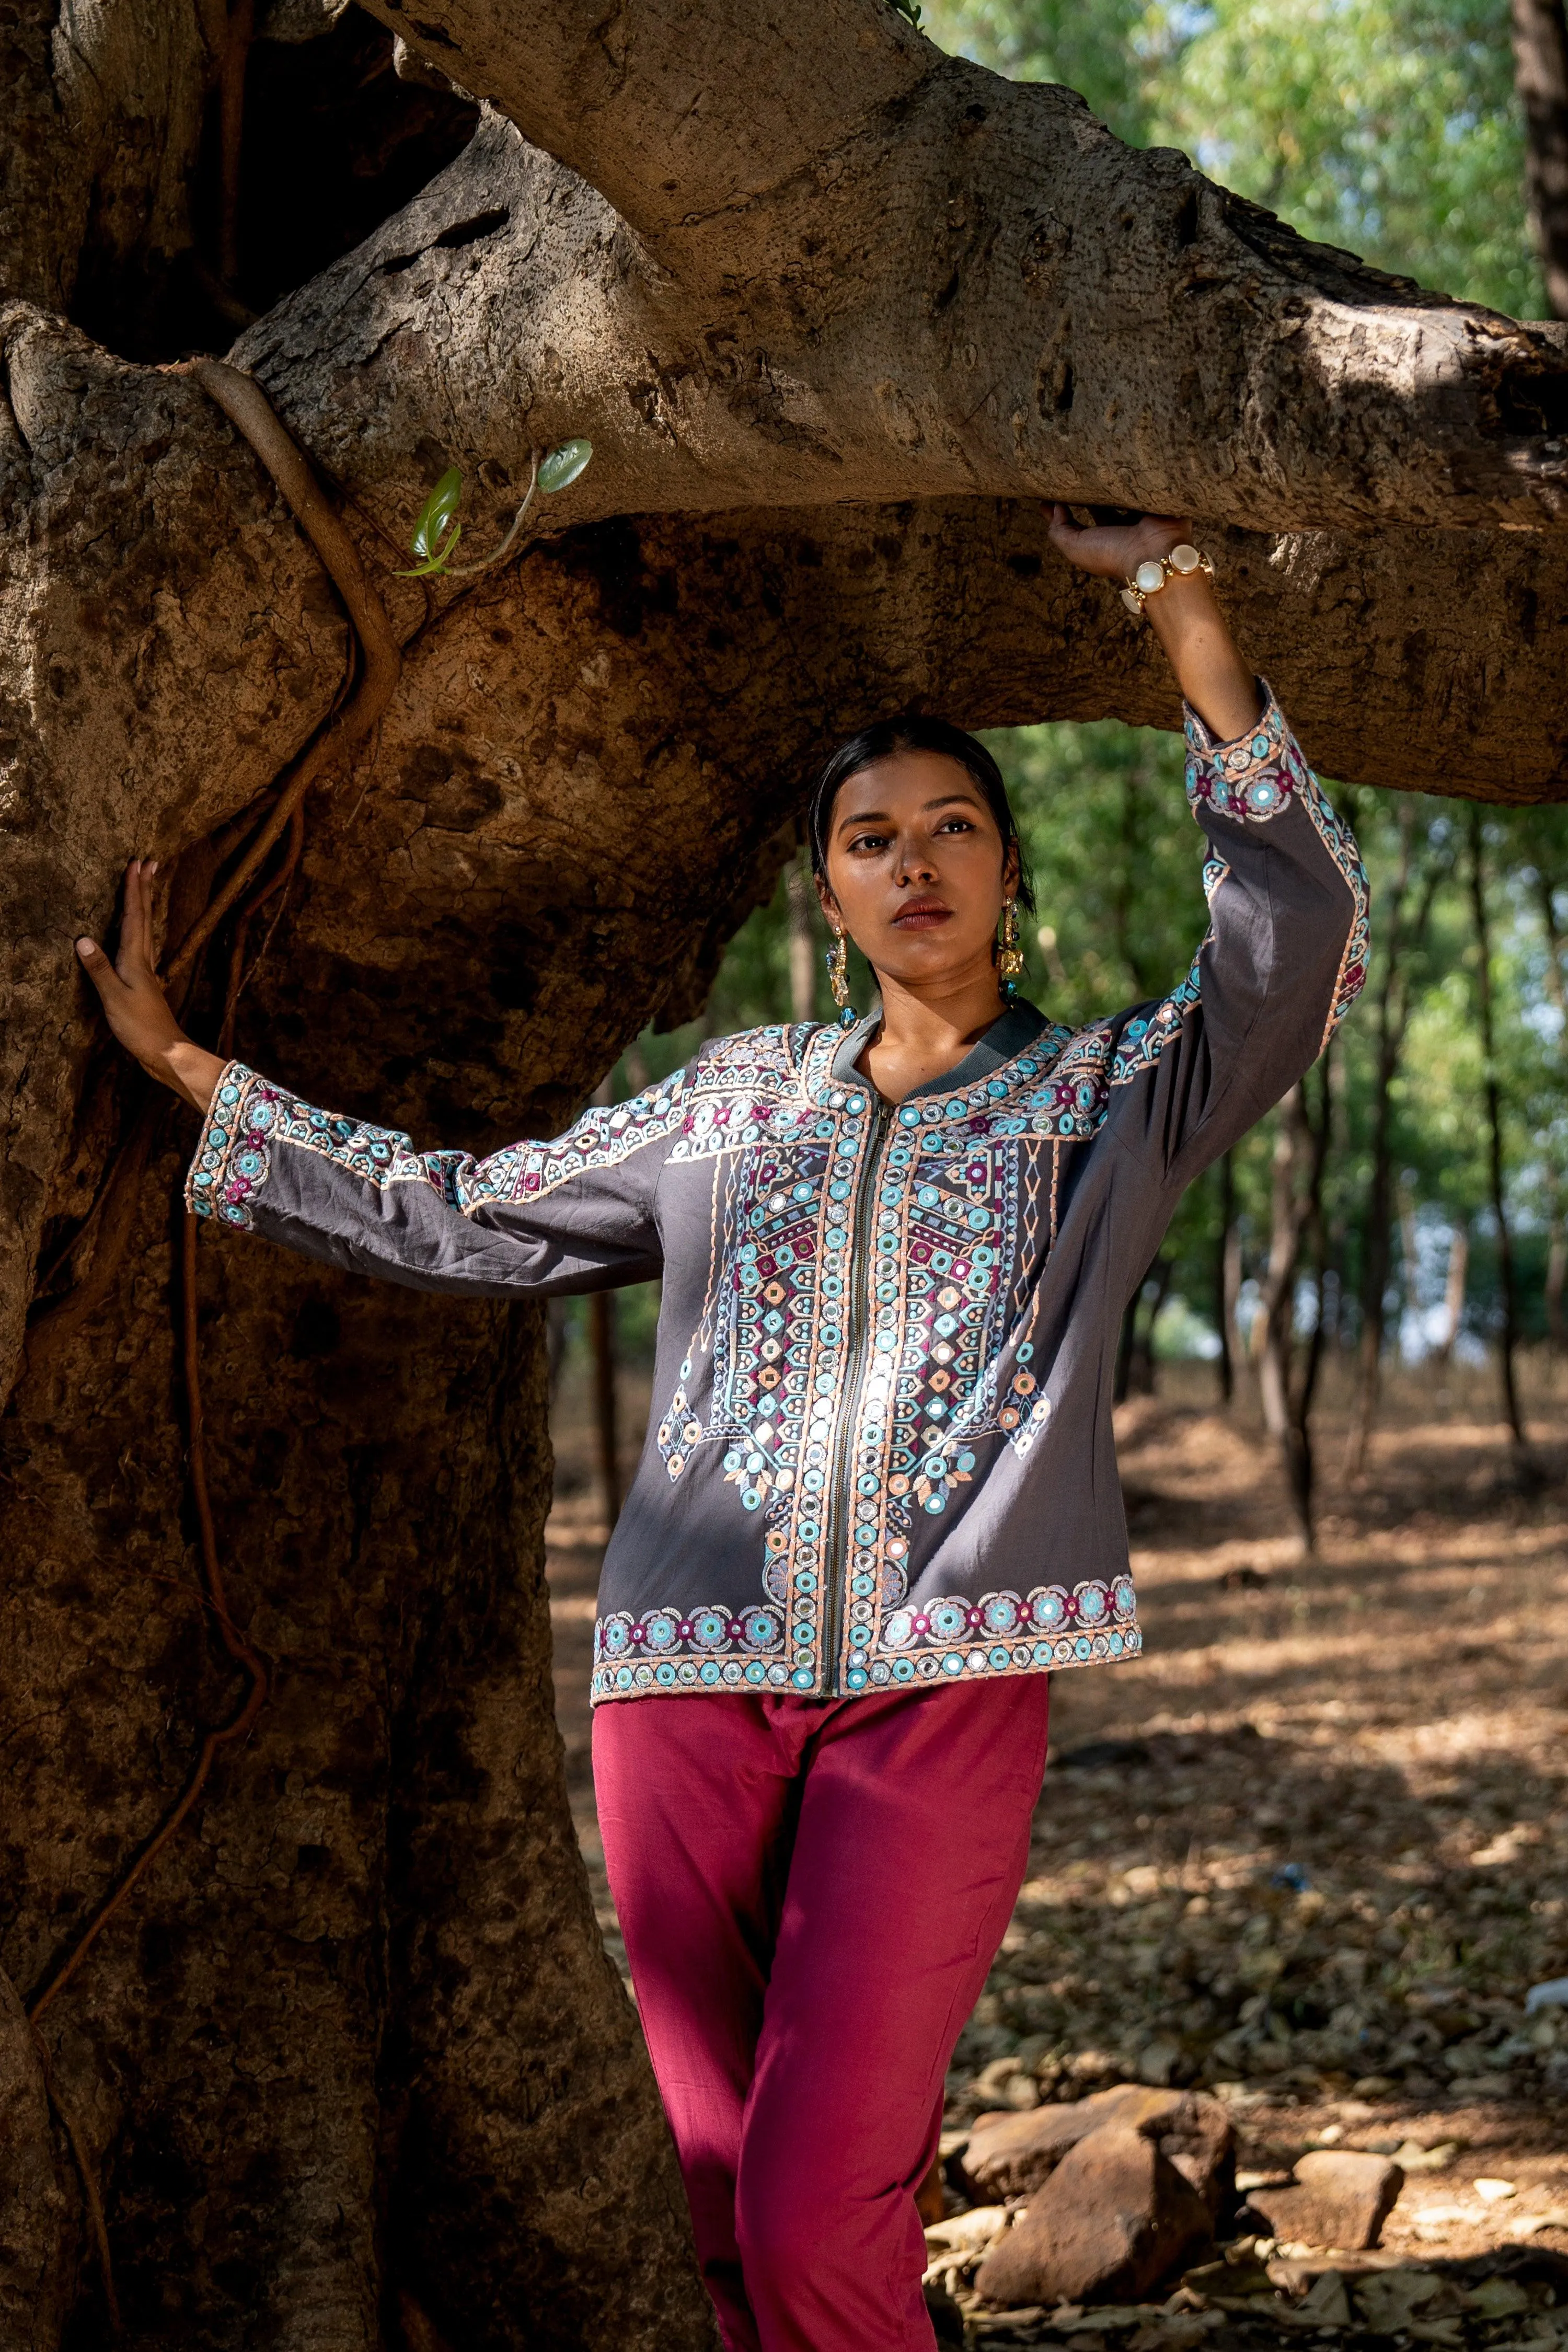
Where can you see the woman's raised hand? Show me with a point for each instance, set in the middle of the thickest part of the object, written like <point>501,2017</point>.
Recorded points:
<point>1114,551</point>
<point>134,1002</point>
<point>1185,614</point>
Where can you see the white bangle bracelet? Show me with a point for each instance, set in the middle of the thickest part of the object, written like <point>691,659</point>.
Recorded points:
<point>1152,574</point>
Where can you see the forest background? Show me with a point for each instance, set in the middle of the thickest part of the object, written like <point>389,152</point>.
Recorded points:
<point>1410,1200</point>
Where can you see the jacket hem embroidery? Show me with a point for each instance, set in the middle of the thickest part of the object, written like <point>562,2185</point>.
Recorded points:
<point>667,1650</point>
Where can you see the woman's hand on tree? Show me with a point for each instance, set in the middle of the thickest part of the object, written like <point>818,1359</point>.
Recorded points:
<point>134,1002</point>
<point>1114,551</point>
<point>1185,614</point>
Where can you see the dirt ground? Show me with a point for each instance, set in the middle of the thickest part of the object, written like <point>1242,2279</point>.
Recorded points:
<point>1309,1851</point>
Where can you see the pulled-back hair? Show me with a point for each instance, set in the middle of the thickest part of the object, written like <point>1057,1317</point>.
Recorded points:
<point>891,735</point>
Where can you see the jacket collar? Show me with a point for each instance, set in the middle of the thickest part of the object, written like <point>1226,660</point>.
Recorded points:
<point>1012,1033</point>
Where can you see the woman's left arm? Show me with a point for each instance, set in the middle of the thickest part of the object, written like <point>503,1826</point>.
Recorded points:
<point>1285,951</point>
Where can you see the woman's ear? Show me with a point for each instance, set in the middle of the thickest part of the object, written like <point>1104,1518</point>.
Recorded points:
<point>1012,870</point>
<point>828,903</point>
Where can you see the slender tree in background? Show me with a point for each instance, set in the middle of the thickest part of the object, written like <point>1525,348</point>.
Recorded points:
<point>1320,1242</point>
<point>1226,1277</point>
<point>1402,929</point>
<point>1545,876</point>
<point>802,938</point>
<point>1541,76</point>
<point>1288,1376</point>
<point>1491,1088</point>
<point>1454,1284</point>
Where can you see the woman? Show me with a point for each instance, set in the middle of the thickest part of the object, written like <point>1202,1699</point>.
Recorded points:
<point>880,1504</point>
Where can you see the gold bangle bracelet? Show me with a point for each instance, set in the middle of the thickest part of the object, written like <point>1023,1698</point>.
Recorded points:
<point>1153,574</point>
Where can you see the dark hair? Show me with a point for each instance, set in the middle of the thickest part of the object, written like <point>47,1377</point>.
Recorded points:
<point>890,735</point>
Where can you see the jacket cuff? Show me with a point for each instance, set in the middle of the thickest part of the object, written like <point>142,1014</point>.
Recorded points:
<point>1254,777</point>
<point>232,1157</point>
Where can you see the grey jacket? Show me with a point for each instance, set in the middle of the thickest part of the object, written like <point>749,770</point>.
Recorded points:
<point>882,1448</point>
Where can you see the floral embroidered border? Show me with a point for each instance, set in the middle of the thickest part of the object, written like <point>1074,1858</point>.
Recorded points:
<point>667,1650</point>
<point>249,1116</point>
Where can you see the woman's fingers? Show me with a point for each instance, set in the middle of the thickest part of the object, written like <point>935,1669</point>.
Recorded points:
<point>127,983</point>
<point>96,965</point>
<point>1100,549</point>
<point>1114,551</point>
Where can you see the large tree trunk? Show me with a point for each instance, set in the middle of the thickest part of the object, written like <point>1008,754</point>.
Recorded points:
<point>349,2068</point>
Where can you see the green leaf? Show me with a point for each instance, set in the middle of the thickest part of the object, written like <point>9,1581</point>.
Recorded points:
<point>435,515</point>
<point>560,466</point>
<point>439,560</point>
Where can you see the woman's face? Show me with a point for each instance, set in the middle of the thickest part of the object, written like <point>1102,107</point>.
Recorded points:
<point>915,871</point>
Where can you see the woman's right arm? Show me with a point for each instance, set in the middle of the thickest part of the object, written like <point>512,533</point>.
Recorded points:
<point>574,1214</point>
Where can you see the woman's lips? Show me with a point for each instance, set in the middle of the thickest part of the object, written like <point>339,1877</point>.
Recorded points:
<point>925,915</point>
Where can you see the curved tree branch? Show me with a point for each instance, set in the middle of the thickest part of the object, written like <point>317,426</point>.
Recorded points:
<point>925,280</point>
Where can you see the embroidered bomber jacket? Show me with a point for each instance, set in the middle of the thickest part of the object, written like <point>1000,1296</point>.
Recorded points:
<point>882,1452</point>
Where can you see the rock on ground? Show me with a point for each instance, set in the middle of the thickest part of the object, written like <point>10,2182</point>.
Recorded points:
<point>1013,2155</point>
<point>1114,2216</point>
<point>1340,2197</point>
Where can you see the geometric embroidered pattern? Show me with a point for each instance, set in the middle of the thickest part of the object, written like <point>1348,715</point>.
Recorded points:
<point>865,1354</point>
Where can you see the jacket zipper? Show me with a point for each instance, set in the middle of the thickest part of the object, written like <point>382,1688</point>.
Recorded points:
<point>857,1359</point>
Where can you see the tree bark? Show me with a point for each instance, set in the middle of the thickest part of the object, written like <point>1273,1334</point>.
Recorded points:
<point>36,2236</point>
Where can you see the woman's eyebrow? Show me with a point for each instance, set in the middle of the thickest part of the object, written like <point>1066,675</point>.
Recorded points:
<point>880,817</point>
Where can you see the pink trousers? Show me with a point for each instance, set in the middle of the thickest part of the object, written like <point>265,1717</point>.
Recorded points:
<point>811,1892</point>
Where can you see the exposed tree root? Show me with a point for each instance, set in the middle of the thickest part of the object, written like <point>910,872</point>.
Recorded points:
<point>243,401</point>
<point>87,2174</point>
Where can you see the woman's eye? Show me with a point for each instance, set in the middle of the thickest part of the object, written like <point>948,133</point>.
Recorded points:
<point>870,841</point>
<point>955,824</point>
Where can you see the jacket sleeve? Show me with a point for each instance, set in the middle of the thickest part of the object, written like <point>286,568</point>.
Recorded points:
<point>574,1214</point>
<point>1284,958</point>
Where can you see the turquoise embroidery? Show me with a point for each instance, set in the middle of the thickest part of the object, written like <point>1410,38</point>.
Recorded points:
<point>864,1357</point>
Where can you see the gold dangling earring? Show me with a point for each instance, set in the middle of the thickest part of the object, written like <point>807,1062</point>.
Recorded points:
<point>1009,954</point>
<point>839,977</point>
